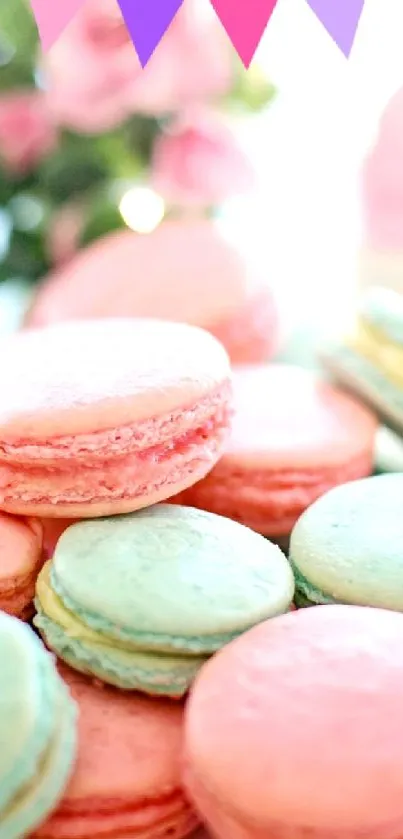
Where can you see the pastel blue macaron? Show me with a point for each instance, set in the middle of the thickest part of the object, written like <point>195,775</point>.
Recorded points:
<point>37,731</point>
<point>141,600</point>
<point>347,547</point>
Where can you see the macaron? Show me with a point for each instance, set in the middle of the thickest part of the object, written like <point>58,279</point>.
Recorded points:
<point>37,731</point>
<point>21,558</point>
<point>127,778</point>
<point>295,729</point>
<point>194,273</point>
<point>369,361</point>
<point>140,601</point>
<point>346,548</point>
<point>388,452</point>
<point>104,417</point>
<point>293,438</point>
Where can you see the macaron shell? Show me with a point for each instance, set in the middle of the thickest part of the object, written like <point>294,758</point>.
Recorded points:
<point>37,801</point>
<point>21,557</point>
<point>113,416</point>
<point>285,417</point>
<point>348,544</point>
<point>37,731</point>
<point>170,577</point>
<point>195,275</point>
<point>330,675</point>
<point>367,382</point>
<point>112,662</point>
<point>84,377</point>
<point>293,437</point>
<point>127,775</point>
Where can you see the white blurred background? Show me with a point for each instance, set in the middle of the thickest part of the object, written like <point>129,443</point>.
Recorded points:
<point>311,145</point>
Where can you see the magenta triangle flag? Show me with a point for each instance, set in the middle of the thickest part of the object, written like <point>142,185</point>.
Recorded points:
<point>340,19</point>
<point>52,17</point>
<point>244,22</point>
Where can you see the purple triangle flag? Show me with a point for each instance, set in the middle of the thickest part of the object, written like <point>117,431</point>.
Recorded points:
<point>340,19</point>
<point>147,21</point>
<point>244,22</point>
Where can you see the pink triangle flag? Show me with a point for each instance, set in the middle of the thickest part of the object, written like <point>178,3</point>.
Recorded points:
<point>244,22</point>
<point>52,17</point>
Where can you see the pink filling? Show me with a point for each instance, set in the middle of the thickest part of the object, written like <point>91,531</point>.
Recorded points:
<point>112,819</point>
<point>268,501</point>
<point>123,463</point>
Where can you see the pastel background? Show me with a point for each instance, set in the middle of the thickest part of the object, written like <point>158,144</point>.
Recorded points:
<point>309,146</point>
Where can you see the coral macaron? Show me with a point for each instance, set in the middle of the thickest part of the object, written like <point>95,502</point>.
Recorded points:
<point>295,729</point>
<point>293,438</point>
<point>109,416</point>
<point>127,780</point>
<point>21,558</point>
<point>185,271</point>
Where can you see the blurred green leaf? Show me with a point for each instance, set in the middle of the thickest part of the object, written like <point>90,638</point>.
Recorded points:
<point>103,217</point>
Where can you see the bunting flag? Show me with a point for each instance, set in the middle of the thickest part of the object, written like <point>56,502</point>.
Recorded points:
<point>244,21</point>
<point>340,19</point>
<point>147,22</point>
<point>52,17</point>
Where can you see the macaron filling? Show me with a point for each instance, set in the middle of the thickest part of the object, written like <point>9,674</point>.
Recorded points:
<point>380,351</point>
<point>306,594</point>
<point>357,372</point>
<point>122,463</point>
<point>121,662</point>
<point>115,818</point>
<point>130,638</point>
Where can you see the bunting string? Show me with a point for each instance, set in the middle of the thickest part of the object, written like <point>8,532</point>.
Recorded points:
<point>244,21</point>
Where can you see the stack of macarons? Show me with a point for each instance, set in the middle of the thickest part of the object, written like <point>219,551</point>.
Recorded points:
<point>369,362</point>
<point>143,486</point>
<point>293,438</point>
<point>100,422</point>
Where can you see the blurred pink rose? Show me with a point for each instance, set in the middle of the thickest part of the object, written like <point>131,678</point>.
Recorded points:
<point>95,80</point>
<point>199,163</point>
<point>26,130</point>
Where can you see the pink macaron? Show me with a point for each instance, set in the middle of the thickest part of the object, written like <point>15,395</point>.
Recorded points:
<point>21,559</point>
<point>126,782</point>
<point>294,437</point>
<point>105,417</point>
<point>185,271</point>
<point>294,731</point>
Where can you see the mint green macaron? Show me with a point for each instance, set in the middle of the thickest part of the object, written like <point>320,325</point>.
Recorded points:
<point>347,547</point>
<point>142,600</point>
<point>37,731</point>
